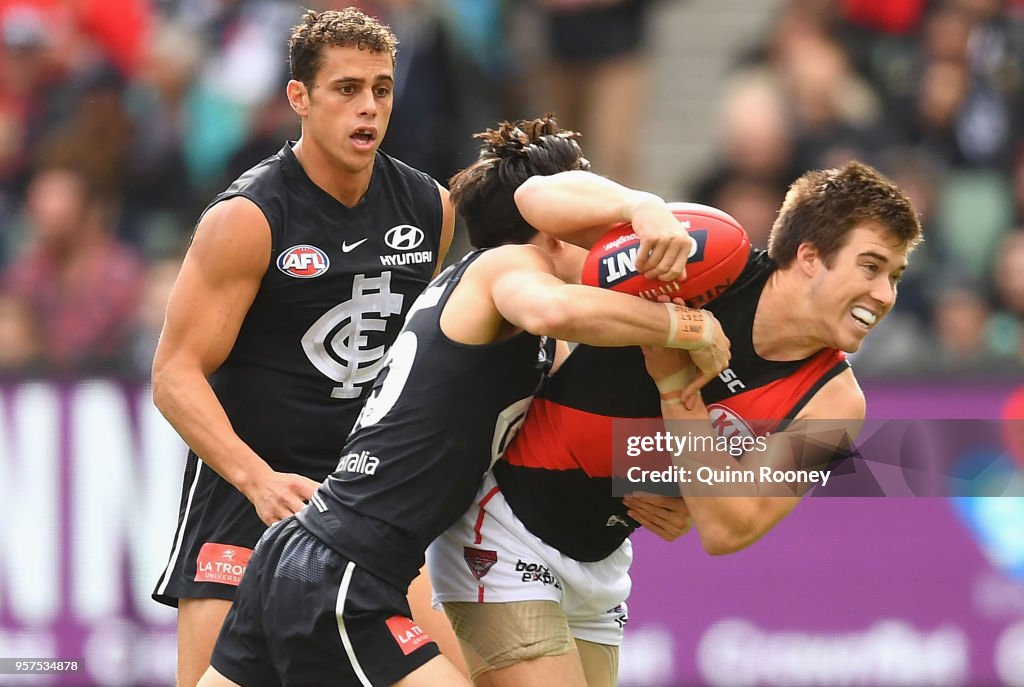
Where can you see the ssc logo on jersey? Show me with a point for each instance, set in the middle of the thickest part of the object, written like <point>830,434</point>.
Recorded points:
<point>304,262</point>
<point>403,237</point>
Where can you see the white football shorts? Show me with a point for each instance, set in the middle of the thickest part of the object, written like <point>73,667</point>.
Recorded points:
<point>489,556</point>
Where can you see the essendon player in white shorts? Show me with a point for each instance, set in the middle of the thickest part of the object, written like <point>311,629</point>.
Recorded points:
<point>836,254</point>
<point>490,556</point>
<point>323,598</point>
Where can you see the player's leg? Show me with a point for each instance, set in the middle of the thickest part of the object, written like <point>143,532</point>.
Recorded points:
<point>211,678</point>
<point>600,663</point>
<point>550,671</point>
<point>199,623</point>
<point>217,530</point>
<point>520,643</point>
<point>617,89</point>
<point>598,634</point>
<point>306,615</point>
<point>434,622</point>
<point>437,671</point>
<point>503,597</point>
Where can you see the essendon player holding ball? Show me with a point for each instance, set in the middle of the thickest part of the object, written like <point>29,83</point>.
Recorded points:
<point>323,600</point>
<point>548,607</point>
<point>717,256</point>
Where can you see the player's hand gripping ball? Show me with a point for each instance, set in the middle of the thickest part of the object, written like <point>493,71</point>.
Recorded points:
<point>717,256</point>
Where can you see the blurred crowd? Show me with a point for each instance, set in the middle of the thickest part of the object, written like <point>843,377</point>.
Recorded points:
<point>120,120</point>
<point>932,93</point>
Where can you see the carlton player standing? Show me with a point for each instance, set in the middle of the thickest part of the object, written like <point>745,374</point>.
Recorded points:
<point>297,280</point>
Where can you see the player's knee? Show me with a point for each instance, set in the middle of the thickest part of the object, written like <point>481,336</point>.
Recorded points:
<point>496,636</point>
<point>508,655</point>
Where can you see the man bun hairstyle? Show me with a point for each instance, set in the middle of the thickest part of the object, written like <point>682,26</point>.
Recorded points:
<point>346,28</point>
<point>484,193</point>
<point>823,206</point>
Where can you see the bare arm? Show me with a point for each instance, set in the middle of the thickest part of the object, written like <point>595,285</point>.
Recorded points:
<point>730,517</point>
<point>447,228</point>
<point>579,207</point>
<point>514,288</point>
<point>219,279</point>
<point>531,297</point>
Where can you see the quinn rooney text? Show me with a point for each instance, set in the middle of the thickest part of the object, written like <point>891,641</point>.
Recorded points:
<point>728,475</point>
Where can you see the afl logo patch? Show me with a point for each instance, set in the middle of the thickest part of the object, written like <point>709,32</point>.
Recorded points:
<point>304,262</point>
<point>404,237</point>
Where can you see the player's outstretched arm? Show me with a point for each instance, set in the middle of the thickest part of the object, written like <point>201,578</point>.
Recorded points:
<point>218,281</point>
<point>580,206</point>
<point>730,516</point>
<point>525,292</point>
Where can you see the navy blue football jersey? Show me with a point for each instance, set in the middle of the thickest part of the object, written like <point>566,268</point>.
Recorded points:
<point>337,289</point>
<point>441,412</point>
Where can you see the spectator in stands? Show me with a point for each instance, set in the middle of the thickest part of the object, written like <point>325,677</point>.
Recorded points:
<point>81,283</point>
<point>148,319</point>
<point>963,336</point>
<point>1008,284</point>
<point>19,342</point>
<point>595,76</point>
<point>756,155</point>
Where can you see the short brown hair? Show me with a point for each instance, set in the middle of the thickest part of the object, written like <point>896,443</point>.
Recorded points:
<point>823,206</point>
<point>345,28</point>
<point>484,193</point>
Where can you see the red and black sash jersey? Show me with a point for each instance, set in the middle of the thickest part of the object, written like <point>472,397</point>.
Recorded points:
<point>556,474</point>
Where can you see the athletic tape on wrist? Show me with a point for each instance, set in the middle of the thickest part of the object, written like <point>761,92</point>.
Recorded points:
<point>687,328</point>
<point>670,386</point>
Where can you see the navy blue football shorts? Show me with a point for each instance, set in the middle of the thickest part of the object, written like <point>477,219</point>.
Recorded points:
<point>217,530</point>
<point>305,615</point>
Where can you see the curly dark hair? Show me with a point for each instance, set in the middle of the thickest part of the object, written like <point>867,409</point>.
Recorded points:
<point>823,206</point>
<point>483,193</point>
<point>342,28</point>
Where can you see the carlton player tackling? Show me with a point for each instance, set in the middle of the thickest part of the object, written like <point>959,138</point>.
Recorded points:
<point>323,600</point>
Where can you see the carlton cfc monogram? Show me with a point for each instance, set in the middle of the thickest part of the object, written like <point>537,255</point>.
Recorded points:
<point>336,343</point>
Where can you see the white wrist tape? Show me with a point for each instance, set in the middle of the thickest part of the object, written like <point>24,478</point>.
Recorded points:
<point>688,329</point>
<point>670,386</point>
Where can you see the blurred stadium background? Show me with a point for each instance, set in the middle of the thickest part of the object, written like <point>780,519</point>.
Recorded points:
<point>119,119</point>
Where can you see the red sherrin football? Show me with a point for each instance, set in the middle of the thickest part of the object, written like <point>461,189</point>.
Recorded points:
<point>719,253</point>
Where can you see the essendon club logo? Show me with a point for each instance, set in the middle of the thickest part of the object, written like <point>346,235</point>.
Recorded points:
<point>304,262</point>
<point>480,561</point>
